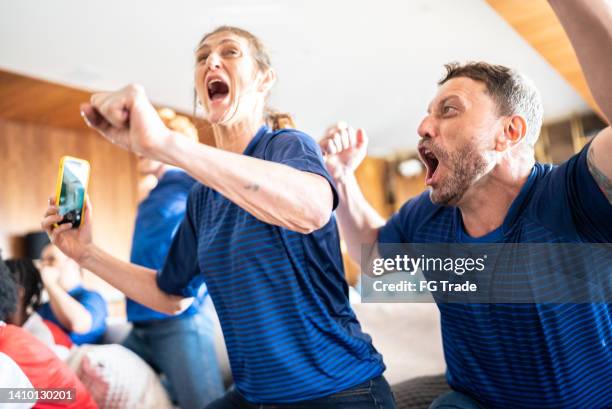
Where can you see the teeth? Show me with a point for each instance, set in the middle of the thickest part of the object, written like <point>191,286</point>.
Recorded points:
<point>211,82</point>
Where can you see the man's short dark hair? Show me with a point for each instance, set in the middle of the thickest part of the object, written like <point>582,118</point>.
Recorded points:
<point>513,93</point>
<point>8,292</point>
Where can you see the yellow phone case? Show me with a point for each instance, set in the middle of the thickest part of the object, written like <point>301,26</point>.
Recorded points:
<point>60,178</point>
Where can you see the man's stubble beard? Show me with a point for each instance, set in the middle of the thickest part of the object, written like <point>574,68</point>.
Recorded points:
<point>465,166</point>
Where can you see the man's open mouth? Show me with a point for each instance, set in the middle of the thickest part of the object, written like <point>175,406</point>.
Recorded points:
<point>217,89</point>
<point>431,162</point>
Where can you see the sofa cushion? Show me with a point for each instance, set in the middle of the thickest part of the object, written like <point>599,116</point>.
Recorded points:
<point>419,393</point>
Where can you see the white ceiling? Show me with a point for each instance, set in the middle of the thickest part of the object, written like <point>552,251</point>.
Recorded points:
<point>371,63</point>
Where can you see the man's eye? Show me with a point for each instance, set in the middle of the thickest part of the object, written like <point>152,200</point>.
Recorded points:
<point>448,109</point>
<point>202,57</point>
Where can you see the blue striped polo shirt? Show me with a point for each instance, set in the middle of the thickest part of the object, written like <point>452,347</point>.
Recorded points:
<point>525,355</point>
<point>281,296</point>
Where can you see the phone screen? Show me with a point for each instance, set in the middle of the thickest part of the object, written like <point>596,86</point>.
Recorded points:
<point>72,196</point>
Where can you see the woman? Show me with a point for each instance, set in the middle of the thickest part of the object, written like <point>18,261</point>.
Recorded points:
<point>259,231</point>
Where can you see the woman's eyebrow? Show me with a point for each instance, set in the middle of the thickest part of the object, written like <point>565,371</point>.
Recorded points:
<point>207,47</point>
<point>202,48</point>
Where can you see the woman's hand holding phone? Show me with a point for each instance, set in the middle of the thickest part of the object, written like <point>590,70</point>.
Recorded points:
<point>127,119</point>
<point>72,242</point>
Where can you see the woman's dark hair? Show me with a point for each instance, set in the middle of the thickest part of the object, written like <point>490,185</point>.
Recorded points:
<point>274,119</point>
<point>8,292</point>
<point>28,277</point>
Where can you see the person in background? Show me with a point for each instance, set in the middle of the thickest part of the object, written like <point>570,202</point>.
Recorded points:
<point>80,312</point>
<point>29,291</point>
<point>179,346</point>
<point>25,362</point>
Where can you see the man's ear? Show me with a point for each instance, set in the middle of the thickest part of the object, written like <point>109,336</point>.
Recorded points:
<point>268,81</point>
<point>515,130</point>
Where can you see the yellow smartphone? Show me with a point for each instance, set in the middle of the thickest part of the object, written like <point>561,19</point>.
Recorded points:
<point>70,190</point>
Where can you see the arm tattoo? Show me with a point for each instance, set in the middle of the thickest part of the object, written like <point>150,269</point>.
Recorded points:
<point>604,182</point>
<point>252,186</point>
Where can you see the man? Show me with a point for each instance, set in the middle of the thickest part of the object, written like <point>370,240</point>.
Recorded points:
<point>477,142</point>
<point>179,346</point>
<point>80,312</point>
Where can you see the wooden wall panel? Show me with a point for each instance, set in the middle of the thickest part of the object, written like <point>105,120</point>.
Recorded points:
<point>405,188</point>
<point>371,176</point>
<point>29,159</point>
<point>34,101</point>
<point>537,23</point>
<point>376,176</point>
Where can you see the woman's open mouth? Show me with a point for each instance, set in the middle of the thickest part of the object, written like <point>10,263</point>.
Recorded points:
<point>431,163</point>
<point>218,89</point>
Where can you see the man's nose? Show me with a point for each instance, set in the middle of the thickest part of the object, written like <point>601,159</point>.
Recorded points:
<point>427,127</point>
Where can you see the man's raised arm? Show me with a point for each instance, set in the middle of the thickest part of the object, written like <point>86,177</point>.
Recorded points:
<point>588,24</point>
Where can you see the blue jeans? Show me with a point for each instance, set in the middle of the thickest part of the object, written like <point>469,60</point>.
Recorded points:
<point>455,400</point>
<point>182,348</point>
<point>373,394</point>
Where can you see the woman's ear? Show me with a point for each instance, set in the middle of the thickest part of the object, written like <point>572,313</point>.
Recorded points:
<point>268,81</point>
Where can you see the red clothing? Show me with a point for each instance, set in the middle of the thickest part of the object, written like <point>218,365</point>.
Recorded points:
<point>59,336</point>
<point>42,367</point>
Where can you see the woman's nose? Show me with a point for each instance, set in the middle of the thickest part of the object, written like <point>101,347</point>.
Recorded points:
<point>214,61</point>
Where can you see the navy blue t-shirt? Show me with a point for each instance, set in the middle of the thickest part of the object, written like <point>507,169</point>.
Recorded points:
<point>525,355</point>
<point>281,296</point>
<point>94,303</point>
<point>157,220</point>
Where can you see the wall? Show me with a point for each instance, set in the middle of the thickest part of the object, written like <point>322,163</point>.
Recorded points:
<point>386,190</point>
<point>29,159</point>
